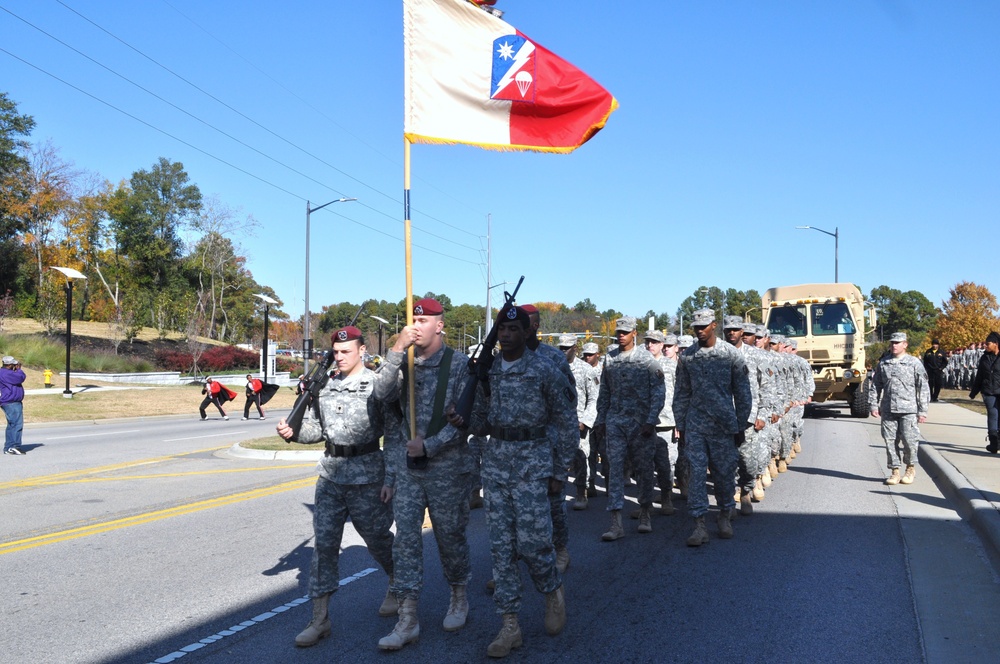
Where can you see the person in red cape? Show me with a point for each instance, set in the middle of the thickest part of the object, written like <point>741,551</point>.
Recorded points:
<point>215,393</point>
<point>253,390</point>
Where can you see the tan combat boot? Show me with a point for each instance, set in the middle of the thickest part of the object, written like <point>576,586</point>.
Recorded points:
<point>725,525</point>
<point>645,523</point>
<point>765,478</point>
<point>390,605</point>
<point>562,560</point>
<point>772,468</point>
<point>616,531</point>
<point>667,505</point>
<point>555,611</point>
<point>319,626</point>
<point>796,447</point>
<point>758,491</point>
<point>909,475</point>
<point>700,534</point>
<point>407,629</point>
<point>746,502</point>
<point>894,478</point>
<point>458,610</point>
<point>782,465</point>
<point>508,638</point>
<point>581,498</point>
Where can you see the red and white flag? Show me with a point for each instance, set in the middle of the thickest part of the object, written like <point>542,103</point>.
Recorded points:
<point>471,78</point>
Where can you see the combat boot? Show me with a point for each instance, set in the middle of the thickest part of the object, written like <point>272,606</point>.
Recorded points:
<point>894,478</point>
<point>746,502</point>
<point>645,525</point>
<point>772,468</point>
<point>562,560</point>
<point>994,445</point>
<point>909,475</point>
<point>616,531</point>
<point>407,630</point>
<point>390,605</point>
<point>458,610</point>
<point>508,638</point>
<point>796,447</point>
<point>700,534</point>
<point>724,521</point>
<point>758,491</point>
<point>555,611</point>
<point>765,478</point>
<point>319,626</point>
<point>581,498</point>
<point>667,506</point>
<point>782,465</point>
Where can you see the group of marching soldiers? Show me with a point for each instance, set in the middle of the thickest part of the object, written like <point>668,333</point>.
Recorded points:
<point>655,412</point>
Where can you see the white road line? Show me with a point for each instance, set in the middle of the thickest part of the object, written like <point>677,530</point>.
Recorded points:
<point>91,435</point>
<point>256,620</point>
<point>214,435</point>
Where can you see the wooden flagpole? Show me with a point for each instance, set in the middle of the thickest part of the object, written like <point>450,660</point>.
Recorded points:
<point>407,236</point>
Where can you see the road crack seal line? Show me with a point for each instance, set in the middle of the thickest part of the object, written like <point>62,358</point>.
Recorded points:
<point>256,620</point>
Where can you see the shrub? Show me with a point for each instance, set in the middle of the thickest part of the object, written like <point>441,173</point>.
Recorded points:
<point>226,358</point>
<point>173,360</point>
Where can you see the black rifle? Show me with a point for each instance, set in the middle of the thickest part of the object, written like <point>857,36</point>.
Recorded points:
<point>480,363</point>
<point>317,379</point>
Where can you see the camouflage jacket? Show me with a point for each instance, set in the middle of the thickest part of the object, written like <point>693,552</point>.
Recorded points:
<point>713,390</point>
<point>632,388</point>
<point>900,387</point>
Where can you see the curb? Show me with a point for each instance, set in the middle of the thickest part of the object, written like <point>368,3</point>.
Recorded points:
<point>241,452</point>
<point>970,503</point>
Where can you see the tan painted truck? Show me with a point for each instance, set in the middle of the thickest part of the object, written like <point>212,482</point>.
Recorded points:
<point>830,323</point>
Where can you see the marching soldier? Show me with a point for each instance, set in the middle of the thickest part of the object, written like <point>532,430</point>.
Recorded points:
<point>586,413</point>
<point>901,382</point>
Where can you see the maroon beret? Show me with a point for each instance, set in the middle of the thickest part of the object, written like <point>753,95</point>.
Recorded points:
<point>530,309</point>
<point>427,307</point>
<point>349,333</point>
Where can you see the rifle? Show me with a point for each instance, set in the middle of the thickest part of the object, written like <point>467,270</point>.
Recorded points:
<point>480,363</point>
<point>317,379</point>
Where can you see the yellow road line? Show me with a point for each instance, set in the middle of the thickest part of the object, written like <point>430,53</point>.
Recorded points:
<point>87,480</point>
<point>42,479</point>
<point>149,517</point>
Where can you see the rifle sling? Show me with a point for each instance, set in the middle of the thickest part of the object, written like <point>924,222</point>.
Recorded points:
<point>437,417</point>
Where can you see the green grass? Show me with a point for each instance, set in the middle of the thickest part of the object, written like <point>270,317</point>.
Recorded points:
<point>276,443</point>
<point>37,351</point>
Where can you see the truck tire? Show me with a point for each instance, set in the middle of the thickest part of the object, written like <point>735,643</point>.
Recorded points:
<point>859,402</point>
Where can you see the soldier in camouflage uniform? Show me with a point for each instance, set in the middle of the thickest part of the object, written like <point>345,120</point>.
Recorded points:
<point>712,405</point>
<point>628,409</point>
<point>901,398</point>
<point>586,413</point>
<point>771,433</point>
<point>437,475</point>
<point>351,477</point>
<point>750,464</point>
<point>807,385</point>
<point>665,454</point>
<point>592,356</point>
<point>530,414</point>
<point>789,389</point>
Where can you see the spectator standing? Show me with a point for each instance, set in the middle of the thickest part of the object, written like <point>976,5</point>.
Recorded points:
<point>987,383</point>
<point>11,396</point>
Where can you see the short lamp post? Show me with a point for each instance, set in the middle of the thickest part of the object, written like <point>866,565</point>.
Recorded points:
<point>381,332</point>
<point>836,248</point>
<point>265,356</point>
<point>70,274</point>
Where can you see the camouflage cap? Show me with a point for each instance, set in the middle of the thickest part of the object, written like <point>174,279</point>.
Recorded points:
<point>897,336</point>
<point>777,339</point>
<point>654,335</point>
<point>567,340</point>
<point>685,341</point>
<point>762,331</point>
<point>732,323</point>
<point>750,328</point>
<point>670,339</point>
<point>792,343</point>
<point>625,324</point>
<point>703,317</point>
<point>590,348</point>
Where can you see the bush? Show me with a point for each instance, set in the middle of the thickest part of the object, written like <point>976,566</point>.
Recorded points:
<point>227,358</point>
<point>174,360</point>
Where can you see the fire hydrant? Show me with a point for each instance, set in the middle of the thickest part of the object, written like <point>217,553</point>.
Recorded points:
<point>48,377</point>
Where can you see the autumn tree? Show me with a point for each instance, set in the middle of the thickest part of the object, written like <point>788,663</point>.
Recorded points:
<point>14,170</point>
<point>968,315</point>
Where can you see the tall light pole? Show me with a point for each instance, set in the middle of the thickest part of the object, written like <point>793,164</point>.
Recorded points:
<point>381,327</point>
<point>265,355</point>
<point>307,342</point>
<point>836,248</point>
<point>70,274</point>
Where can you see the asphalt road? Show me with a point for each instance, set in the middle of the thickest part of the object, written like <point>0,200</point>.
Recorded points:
<point>142,541</point>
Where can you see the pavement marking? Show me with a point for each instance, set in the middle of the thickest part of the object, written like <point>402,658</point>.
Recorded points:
<point>43,479</point>
<point>149,517</point>
<point>221,471</point>
<point>252,622</point>
<point>88,435</point>
<point>213,435</point>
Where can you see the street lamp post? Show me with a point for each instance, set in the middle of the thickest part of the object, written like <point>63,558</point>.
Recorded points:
<point>70,274</point>
<point>307,341</point>
<point>381,327</point>
<point>265,355</point>
<point>836,248</point>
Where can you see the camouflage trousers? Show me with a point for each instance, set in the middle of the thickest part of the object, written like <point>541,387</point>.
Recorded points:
<point>771,434</point>
<point>798,421</point>
<point>715,451</point>
<point>519,519</point>
<point>624,440</point>
<point>582,463</point>
<point>476,444</point>
<point>754,457</point>
<point>900,432</point>
<point>446,498</point>
<point>665,458</point>
<point>560,524</point>
<point>334,503</point>
<point>785,435</point>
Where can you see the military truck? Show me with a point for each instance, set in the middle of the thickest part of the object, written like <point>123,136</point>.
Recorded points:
<point>829,322</point>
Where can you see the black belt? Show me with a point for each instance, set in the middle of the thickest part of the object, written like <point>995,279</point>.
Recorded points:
<point>333,450</point>
<point>662,429</point>
<point>515,434</point>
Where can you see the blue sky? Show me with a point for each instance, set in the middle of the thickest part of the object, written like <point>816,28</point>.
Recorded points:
<point>738,121</point>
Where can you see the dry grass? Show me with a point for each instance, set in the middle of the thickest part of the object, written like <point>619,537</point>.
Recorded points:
<point>961,398</point>
<point>87,328</point>
<point>99,405</point>
<point>277,444</point>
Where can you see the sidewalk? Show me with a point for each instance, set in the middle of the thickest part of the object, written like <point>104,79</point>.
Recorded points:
<point>953,454</point>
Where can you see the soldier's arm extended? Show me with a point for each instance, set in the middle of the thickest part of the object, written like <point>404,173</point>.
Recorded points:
<point>923,390</point>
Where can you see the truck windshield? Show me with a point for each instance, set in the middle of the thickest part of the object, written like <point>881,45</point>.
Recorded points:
<point>832,318</point>
<point>789,321</point>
